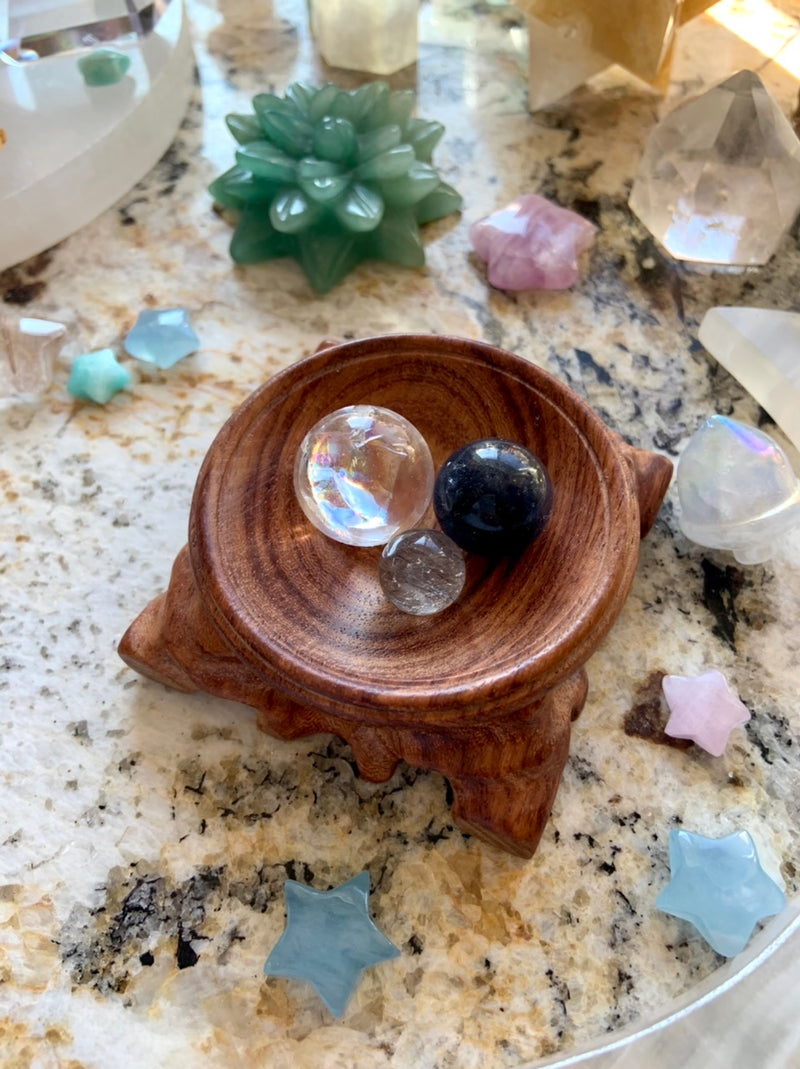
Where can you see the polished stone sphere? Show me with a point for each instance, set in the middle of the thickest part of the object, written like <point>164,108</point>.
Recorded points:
<point>493,497</point>
<point>362,474</point>
<point>422,571</point>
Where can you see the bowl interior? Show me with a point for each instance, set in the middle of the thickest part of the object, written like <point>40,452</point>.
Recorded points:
<point>310,612</point>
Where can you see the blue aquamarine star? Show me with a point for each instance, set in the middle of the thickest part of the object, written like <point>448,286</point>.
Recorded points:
<point>720,887</point>
<point>97,376</point>
<point>329,940</point>
<point>162,337</point>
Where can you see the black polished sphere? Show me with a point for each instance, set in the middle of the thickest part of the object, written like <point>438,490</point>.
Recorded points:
<point>493,497</point>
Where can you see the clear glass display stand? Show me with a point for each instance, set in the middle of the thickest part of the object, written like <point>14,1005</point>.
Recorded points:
<point>69,150</point>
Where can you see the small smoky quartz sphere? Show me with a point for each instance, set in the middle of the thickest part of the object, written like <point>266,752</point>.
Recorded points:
<point>493,497</point>
<point>422,571</point>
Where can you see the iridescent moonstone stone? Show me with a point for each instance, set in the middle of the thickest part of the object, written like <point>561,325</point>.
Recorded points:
<point>493,497</point>
<point>737,490</point>
<point>422,572</point>
<point>362,474</point>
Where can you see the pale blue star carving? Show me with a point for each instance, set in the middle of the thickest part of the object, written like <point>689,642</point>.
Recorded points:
<point>329,940</point>
<point>720,887</point>
<point>162,337</point>
<point>97,376</point>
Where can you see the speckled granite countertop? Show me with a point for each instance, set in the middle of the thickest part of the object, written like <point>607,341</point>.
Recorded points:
<point>146,834</point>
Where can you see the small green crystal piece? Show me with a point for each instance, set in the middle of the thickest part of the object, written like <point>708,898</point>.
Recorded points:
<point>97,376</point>
<point>331,178</point>
<point>104,66</point>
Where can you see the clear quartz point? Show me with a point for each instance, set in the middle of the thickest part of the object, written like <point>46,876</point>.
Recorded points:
<point>719,180</point>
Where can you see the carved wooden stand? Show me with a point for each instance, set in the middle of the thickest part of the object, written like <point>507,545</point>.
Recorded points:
<point>263,609</point>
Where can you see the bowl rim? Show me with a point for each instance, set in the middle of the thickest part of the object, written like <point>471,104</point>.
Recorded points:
<point>649,1037</point>
<point>507,689</point>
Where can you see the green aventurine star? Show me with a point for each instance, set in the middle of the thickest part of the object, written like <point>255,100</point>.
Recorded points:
<point>329,940</point>
<point>332,178</point>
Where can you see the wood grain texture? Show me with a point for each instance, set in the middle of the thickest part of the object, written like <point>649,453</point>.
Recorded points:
<point>265,609</point>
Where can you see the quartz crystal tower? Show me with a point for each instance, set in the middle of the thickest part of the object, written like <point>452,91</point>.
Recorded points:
<point>761,348</point>
<point>28,348</point>
<point>719,180</point>
<point>364,36</point>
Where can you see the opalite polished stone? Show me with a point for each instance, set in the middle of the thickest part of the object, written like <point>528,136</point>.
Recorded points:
<point>332,178</point>
<point>704,709</point>
<point>329,940</point>
<point>532,244</point>
<point>720,887</point>
<point>737,490</point>
<point>97,376</point>
<point>28,348</point>
<point>104,66</point>
<point>422,571</point>
<point>364,36</point>
<point>493,497</point>
<point>363,473</point>
<point>760,346</point>
<point>162,337</point>
<point>719,180</point>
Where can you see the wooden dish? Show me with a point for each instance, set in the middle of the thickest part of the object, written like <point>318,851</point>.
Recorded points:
<point>264,609</point>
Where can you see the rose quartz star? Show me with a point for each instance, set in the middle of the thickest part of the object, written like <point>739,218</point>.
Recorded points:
<point>704,709</point>
<point>532,244</point>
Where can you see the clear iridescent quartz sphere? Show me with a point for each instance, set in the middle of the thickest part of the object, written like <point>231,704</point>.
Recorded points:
<point>362,474</point>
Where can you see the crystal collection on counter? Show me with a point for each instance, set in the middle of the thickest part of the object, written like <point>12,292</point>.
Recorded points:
<point>332,177</point>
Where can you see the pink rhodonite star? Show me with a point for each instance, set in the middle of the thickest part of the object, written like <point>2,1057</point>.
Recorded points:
<point>704,709</point>
<point>532,244</point>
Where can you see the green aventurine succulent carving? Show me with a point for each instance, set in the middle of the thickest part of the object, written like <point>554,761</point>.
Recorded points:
<point>332,178</point>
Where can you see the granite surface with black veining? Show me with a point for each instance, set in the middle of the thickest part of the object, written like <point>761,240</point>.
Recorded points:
<point>146,834</point>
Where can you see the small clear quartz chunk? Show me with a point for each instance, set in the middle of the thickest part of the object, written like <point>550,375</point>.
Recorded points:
<point>28,348</point>
<point>422,572</point>
<point>737,490</point>
<point>362,474</point>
